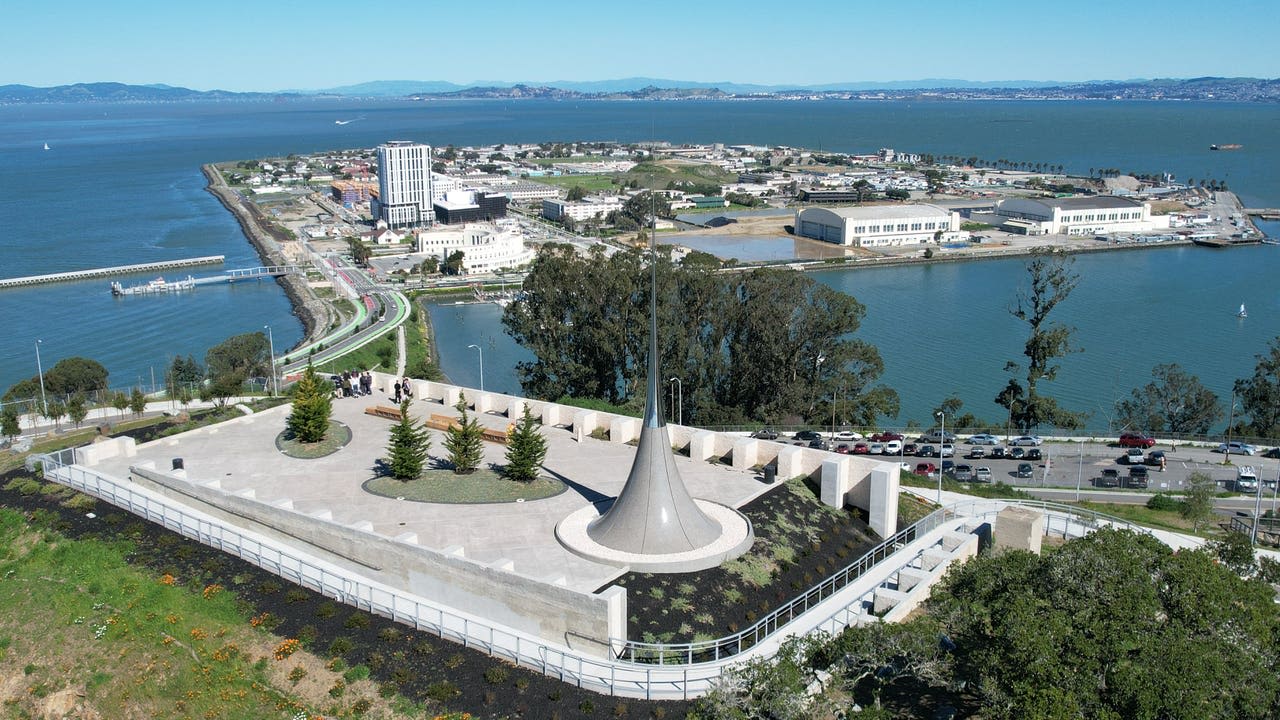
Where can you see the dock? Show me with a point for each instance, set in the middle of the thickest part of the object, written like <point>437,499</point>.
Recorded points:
<point>103,272</point>
<point>161,286</point>
<point>1263,213</point>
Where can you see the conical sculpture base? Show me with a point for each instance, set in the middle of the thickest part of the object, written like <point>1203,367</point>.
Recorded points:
<point>654,514</point>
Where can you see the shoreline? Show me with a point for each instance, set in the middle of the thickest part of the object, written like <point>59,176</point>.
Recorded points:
<point>312,313</point>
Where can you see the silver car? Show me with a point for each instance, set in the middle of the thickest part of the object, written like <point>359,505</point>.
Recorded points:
<point>1237,448</point>
<point>982,474</point>
<point>1028,440</point>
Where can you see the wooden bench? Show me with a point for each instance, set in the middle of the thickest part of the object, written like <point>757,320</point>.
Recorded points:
<point>382,411</point>
<point>445,422</point>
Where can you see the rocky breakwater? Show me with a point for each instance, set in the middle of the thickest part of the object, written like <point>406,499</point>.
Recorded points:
<point>268,239</point>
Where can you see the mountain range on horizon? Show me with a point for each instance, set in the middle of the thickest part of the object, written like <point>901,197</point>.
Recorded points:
<point>1205,88</point>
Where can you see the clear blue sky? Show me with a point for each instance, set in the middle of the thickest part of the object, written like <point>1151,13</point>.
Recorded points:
<point>272,45</point>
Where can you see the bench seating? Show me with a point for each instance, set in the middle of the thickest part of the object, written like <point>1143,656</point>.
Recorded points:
<point>382,411</point>
<point>437,422</point>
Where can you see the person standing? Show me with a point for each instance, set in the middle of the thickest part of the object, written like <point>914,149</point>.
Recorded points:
<point>398,391</point>
<point>407,388</point>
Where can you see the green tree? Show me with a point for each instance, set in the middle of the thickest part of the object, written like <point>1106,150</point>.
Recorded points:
<point>575,193</point>
<point>465,442</point>
<point>67,377</point>
<point>77,408</point>
<point>246,355</point>
<point>642,207</point>
<point>137,402</point>
<point>1260,394</point>
<point>1175,401</point>
<point>360,253</point>
<point>453,264</point>
<point>222,388</point>
<point>526,449</point>
<point>409,447</point>
<point>182,373</point>
<point>1052,281</point>
<point>9,425</point>
<point>309,419</point>
<point>1197,499</point>
<point>120,402</point>
<point>54,412</point>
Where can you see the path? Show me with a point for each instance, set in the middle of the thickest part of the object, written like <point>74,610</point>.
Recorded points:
<point>400,356</point>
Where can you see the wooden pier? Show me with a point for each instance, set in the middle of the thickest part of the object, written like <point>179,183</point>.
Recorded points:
<point>103,272</point>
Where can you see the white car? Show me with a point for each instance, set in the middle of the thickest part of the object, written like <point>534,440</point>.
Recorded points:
<point>984,439</point>
<point>947,450</point>
<point>893,447</point>
<point>1238,448</point>
<point>844,435</point>
<point>1029,440</point>
<point>982,474</point>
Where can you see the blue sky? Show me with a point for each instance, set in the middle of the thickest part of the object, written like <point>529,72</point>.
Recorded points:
<point>272,45</point>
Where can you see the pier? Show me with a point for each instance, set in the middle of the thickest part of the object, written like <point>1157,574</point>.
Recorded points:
<point>159,285</point>
<point>1263,213</point>
<point>102,272</point>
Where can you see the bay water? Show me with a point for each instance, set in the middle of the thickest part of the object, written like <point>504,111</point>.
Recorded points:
<point>120,184</point>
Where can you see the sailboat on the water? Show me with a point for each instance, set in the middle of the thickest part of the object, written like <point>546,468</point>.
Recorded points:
<point>46,146</point>
<point>1242,313</point>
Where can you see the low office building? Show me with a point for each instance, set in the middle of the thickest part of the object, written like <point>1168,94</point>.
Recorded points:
<point>879,225</point>
<point>485,248</point>
<point>1098,215</point>
<point>597,206</point>
<point>464,206</point>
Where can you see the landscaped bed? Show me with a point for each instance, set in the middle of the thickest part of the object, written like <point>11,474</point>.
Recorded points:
<point>799,542</point>
<point>481,486</point>
<point>336,438</point>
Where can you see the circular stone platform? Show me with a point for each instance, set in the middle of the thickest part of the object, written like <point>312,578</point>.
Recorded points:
<point>736,537</point>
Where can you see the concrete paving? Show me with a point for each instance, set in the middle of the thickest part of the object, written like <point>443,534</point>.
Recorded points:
<point>241,454</point>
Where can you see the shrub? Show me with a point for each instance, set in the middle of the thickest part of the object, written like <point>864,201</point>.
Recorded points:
<point>356,621</point>
<point>341,646</point>
<point>376,661</point>
<point>307,635</point>
<point>338,689</point>
<point>355,674</point>
<point>361,706</point>
<point>495,675</point>
<point>326,610</point>
<point>296,674</point>
<point>443,691</point>
<point>454,661</point>
<point>390,635</point>
<point>296,595</point>
<point>1163,501</point>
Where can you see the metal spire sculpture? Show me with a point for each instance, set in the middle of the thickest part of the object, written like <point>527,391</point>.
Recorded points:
<point>654,514</point>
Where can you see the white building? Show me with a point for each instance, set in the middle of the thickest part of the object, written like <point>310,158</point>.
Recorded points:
<point>879,225</point>
<point>1076,216</point>
<point>442,185</point>
<point>404,184</point>
<point>589,207</point>
<point>485,248</point>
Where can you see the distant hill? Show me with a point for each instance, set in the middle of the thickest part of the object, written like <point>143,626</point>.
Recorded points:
<point>116,92</point>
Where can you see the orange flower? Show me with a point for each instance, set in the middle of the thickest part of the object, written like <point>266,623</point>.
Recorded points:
<point>166,579</point>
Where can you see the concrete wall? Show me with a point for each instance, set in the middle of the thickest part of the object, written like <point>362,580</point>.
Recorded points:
<point>490,590</point>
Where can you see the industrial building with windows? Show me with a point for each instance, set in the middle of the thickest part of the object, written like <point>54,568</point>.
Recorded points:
<point>879,225</point>
<point>404,184</point>
<point>1098,215</point>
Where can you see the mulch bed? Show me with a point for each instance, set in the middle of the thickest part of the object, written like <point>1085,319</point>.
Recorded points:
<point>415,664</point>
<point>446,486</point>
<point>799,541</point>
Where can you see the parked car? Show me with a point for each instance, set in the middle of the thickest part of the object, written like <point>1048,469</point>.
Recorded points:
<point>1137,477</point>
<point>976,452</point>
<point>1024,470</point>
<point>1034,454</point>
<point>927,451</point>
<point>996,452</point>
<point>1133,456</point>
<point>963,473</point>
<point>984,439</point>
<point>1156,458</point>
<point>765,434</point>
<point>1272,452</point>
<point>808,435</point>
<point>1137,440</point>
<point>1246,480</point>
<point>937,436</point>
<point>910,449</point>
<point>948,467</point>
<point>875,449</point>
<point>1016,453</point>
<point>893,447</point>
<point>982,474</point>
<point>886,436</point>
<point>1237,448</point>
<point>1110,478</point>
<point>861,449</point>
<point>843,448</point>
<point>848,435</point>
<point>926,468</point>
<point>1029,440</point>
<point>946,450</point>
<point>819,444</point>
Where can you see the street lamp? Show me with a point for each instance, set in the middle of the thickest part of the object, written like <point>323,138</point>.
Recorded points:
<point>481,351</point>
<point>1080,471</point>
<point>271,345</point>
<point>43,402</point>
<point>942,417</point>
<point>680,406</point>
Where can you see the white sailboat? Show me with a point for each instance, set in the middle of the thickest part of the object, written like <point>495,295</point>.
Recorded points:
<point>1243,313</point>
<point>46,146</point>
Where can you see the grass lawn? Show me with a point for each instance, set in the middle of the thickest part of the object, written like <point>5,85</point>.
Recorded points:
<point>590,183</point>
<point>481,486</point>
<point>334,440</point>
<point>1141,514</point>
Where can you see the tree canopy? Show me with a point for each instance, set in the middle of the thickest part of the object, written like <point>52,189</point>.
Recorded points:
<point>245,355</point>
<point>1175,401</point>
<point>1260,393</point>
<point>759,346</point>
<point>67,377</point>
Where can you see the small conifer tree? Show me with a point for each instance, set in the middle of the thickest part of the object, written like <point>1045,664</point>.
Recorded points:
<point>409,446</point>
<point>465,442</point>
<point>526,449</point>
<point>309,420</point>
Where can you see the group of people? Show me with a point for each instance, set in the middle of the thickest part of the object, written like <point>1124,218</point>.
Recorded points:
<point>353,383</point>
<point>404,390</point>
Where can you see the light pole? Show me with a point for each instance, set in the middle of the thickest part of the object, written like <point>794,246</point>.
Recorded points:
<point>39,370</point>
<point>1080,471</point>
<point>680,405</point>
<point>271,346</point>
<point>942,417</point>
<point>1231,418</point>
<point>833,416</point>
<point>481,351</point>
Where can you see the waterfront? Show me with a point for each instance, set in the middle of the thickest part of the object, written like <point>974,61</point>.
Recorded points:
<point>121,184</point>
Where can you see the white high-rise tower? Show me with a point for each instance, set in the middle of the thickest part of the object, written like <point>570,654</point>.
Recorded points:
<point>404,184</point>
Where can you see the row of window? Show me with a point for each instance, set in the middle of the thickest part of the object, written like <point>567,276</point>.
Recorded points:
<point>1102,217</point>
<point>900,227</point>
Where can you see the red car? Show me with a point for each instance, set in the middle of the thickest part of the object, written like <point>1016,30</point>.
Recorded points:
<point>1136,440</point>
<point>886,437</point>
<point>861,449</point>
<point>926,468</point>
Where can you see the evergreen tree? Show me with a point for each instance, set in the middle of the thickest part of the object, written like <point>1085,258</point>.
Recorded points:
<point>9,426</point>
<point>77,408</point>
<point>409,446</point>
<point>526,449</point>
<point>464,442</point>
<point>137,402</point>
<point>309,420</point>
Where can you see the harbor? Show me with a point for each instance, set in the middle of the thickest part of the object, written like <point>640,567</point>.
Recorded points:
<point>91,273</point>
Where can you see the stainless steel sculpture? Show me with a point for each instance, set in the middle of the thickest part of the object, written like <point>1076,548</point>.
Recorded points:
<point>654,513</point>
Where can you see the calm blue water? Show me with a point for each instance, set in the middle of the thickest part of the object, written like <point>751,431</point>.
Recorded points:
<point>122,185</point>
